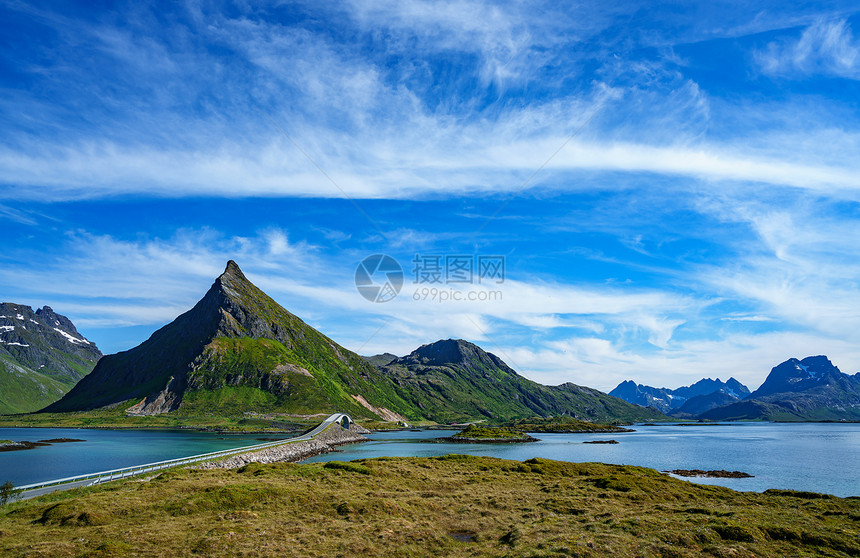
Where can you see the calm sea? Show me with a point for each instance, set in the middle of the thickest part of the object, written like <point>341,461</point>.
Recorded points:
<point>103,450</point>
<point>816,457</point>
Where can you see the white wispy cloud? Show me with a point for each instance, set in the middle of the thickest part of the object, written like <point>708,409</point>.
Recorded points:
<point>380,131</point>
<point>460,167</point>
<point>825,47</point>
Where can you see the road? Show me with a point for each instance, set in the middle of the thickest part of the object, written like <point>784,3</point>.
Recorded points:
<point>40,489</point>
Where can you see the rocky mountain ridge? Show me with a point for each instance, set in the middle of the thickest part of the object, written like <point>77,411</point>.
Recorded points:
<point>454,380</point>
<point>42,355</point>
<point>706,392</point>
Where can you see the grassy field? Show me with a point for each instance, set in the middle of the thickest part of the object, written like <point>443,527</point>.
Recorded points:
<point>117,419</point>
<point>442,506</point>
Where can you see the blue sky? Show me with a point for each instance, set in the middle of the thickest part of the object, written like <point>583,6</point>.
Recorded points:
<point>674,187</point>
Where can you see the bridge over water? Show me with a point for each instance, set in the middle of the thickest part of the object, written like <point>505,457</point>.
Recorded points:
<point>38,489</point>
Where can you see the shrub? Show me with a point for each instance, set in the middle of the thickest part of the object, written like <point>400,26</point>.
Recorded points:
<point>351,467</point>
<point>8,492</point>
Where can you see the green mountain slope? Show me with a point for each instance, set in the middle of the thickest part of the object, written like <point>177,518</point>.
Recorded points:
<point>23,390</point>
<point>42,356</point>
<point>237,350</point>
<point>454,380</point>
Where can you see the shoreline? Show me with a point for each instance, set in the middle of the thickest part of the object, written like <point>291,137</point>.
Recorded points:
<point>452,439</point>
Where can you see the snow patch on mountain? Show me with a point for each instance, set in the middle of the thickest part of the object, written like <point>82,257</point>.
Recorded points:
<point>69,337</point>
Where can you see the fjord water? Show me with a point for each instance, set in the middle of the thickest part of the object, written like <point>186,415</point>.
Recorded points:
<point>808,456</point>
<point>104,450</point>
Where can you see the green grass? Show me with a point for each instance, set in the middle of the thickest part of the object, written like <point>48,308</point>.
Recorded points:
<point>452,505</point>
<point>116,418</point>
<point>236,374</point>
<point>475,432</point>
<point>23,390</point>
<point>561,424</point>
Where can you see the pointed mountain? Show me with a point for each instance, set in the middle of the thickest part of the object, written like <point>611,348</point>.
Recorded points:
<point>236,350</point>
<point>42,356</point>
<point>797,390</point>
<point>736,389</point>
<point>454,380</point>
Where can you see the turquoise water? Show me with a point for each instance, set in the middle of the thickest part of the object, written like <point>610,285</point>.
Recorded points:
<point>815,457</point>
<point>104,450</point>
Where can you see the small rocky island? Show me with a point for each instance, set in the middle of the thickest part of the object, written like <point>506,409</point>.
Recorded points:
<point>563,425</point>
<point>473,434</point>
<point>9,445</point>
<point>721,474</point>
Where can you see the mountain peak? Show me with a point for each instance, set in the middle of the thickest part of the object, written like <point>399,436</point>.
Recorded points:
<point>445,351</point>
<point>232,271</point>
<point>456,353</point>
<point>795,375</point>
<point>817,363</point>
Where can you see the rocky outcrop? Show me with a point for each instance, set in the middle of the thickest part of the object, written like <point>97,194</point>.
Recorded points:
<point>382,412</point>
<point>326,441</point>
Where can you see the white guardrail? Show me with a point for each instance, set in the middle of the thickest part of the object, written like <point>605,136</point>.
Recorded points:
<point>125,472</point>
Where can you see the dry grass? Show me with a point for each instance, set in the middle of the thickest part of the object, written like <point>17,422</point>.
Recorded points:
<point>446,506</point>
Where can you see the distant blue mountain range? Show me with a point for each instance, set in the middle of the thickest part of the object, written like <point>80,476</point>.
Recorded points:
<point>810,389</point>
<point>671,401</point>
